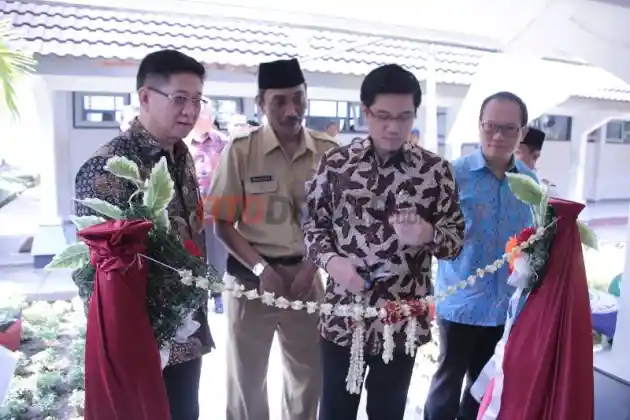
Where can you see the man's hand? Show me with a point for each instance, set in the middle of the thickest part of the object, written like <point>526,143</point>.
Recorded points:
<point>411,228</point>
<point>344,273</point>
<point>303,283</point>
<point>271,281</point>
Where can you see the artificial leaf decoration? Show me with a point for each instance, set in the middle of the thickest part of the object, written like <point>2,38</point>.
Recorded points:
<point>159,189</point>
<point>163,221</point>
<point>525,188</point>
<point>82,222</point>
<point>587,236</point>
<point>124,168</point>
<point>103,207</point>
<point>73,256</point>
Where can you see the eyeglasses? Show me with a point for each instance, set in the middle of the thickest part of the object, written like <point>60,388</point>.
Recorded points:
<point>508,130</point>
<point>387,118</point>
<point>179,99</point>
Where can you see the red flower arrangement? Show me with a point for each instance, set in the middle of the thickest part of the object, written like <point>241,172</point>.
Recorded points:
<point>516,241</point>
<point>394,310</point>
<point>192,248</point>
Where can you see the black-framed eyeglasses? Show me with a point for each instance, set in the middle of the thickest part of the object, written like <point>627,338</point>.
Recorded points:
<point>179,99</point>
<point>387,118</point>
<point>508,130</point>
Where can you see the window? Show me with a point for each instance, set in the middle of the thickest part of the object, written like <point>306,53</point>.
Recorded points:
<point>98,110</point>
<point>618,132</point>
<point>346,114</point>
<point>556,127</point>
<point>441,125</point>
<point>225,108</point>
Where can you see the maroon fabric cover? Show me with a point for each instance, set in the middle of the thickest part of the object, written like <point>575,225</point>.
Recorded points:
<point>548,363</point>
<point>123,375</point>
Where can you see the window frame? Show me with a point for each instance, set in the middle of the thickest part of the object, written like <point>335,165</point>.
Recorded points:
<point>569,126</point>
<point>353,112</point>
<point>624,131</point>
<point>79,111</point>
<point>240,106</point>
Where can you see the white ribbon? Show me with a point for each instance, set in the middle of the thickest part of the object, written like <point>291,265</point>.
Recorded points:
<point>519,278</point>
<point>188,328</point>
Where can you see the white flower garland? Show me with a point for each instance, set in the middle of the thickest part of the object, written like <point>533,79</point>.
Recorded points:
<point>359,311</point>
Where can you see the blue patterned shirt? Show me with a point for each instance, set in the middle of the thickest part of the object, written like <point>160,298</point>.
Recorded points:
<point>493,214</point>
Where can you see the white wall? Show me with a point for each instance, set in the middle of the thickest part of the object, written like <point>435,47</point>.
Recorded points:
<point>606,182</point>
<point>610,183</point>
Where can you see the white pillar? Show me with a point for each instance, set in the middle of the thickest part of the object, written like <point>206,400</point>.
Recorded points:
<point>49,238</point>
<point>599,156</point>
<point>429,139</point>
<point>541,84</point>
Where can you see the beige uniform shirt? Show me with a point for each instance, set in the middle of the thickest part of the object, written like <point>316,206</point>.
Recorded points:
<point>259,188</point>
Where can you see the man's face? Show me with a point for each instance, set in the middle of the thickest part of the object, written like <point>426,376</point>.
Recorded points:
<point>172,107</point>
<point>332,130</point>
<point>525,155</point>
<point>390,120</point>
<point>500,129</point>
<point>284,109</point>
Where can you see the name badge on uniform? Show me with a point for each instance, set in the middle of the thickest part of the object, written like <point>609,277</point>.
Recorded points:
<point>261,178</point>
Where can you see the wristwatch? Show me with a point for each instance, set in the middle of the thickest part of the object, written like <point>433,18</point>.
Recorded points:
<point>258,268</point>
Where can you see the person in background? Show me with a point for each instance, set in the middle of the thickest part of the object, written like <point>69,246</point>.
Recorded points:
<point>332,129</point>
<point>205,144</point>
<point>237,126</point>
<point>471,321</point>
<point>529,152</point>
<point>382,207</point>
<point>129,113</point>
<point>253,124</point>
<point>269,167</point>
<point>170,86</point>
<point>414,137</point>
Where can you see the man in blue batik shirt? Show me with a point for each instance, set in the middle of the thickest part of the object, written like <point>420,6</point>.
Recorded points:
<point>471,320</point>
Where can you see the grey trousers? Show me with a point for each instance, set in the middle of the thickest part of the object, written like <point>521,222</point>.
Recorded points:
<point>217,255</point>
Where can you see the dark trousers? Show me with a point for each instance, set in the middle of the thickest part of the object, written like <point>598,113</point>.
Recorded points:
<point>182,387</point>
<point>464,351</point>
<point>386,385</point>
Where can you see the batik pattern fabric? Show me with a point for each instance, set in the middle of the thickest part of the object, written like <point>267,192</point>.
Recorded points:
<point>185,209</point>
<point>349,202</point>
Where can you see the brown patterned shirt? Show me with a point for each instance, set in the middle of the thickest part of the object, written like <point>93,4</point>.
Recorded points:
<point>136,144</point>
<point>349,202</point>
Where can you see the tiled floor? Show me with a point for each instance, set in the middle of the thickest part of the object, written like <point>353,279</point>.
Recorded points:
<point>213,379</point>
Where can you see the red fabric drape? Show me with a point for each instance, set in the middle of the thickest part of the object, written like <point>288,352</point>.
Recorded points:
<point>123,375</point>
<point>548,363</point>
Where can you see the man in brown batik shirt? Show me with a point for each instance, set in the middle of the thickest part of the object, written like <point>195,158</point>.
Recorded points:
<point>382,207</point>
<point>169,88</point>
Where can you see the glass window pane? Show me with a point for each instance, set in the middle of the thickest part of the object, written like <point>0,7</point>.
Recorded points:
<point>120,102</point>
<point>322,109</point>
<point>342,109</point>
<point>103,103</point>
<point>94,117</point>
<point>226,106</point>
<point>614,130</point>
<point>441,124</point>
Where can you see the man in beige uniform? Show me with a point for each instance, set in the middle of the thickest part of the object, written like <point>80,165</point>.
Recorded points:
<point>257,196</point>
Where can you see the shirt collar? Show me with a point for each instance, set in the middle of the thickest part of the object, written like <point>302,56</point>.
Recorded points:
<point>478,162</point>
<point>271,142</point>
<point>150,144</point>
<point>367,149</point>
